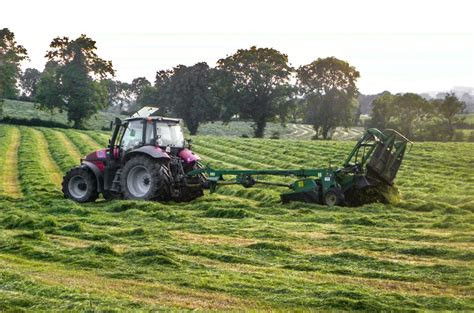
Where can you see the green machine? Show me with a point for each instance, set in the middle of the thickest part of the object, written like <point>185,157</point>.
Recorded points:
<point>372,164</point>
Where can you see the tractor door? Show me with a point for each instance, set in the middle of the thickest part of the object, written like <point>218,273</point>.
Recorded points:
<point>132,136</point>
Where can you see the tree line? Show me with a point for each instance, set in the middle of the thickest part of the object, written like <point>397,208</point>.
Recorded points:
<point>256,84</point>
<point>417,117</point>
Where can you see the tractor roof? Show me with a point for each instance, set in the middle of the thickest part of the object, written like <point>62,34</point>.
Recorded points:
<point>154,118</point>
<point>151,113</point>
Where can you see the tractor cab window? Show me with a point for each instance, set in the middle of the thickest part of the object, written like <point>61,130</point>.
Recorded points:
<point>133,135</point>
<point>169,134</point>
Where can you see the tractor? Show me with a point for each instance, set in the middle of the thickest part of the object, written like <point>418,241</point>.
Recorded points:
<point>147,159</point>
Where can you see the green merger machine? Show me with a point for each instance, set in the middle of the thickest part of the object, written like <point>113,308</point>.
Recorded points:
<point>149,159</point>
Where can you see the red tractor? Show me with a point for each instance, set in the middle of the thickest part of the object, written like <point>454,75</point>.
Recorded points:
<point>147,159</point>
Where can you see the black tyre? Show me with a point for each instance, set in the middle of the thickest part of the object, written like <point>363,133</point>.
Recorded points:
<point>188,194</point>
<point>144,178</point>
<point>80,185</point>
<point>333,197</point>
<point>111,195</point>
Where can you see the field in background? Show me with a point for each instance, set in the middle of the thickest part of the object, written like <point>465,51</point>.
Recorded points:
<point>239,248</point>
<point>27,110</point>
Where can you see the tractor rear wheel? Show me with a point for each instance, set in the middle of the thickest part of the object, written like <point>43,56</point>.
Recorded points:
<point>144,178</point>
<point>80,185</point>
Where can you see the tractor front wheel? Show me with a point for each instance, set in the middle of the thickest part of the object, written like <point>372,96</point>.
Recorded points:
<point>80,185</point>
<point>144,178</point>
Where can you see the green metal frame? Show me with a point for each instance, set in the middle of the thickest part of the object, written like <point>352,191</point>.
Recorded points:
<point>390,142</point>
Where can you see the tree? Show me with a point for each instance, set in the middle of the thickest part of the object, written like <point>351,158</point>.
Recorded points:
<point>149,96</point>
<point>259,79</point>
<point>11,55</point>
<point>76,78</point>
<point>417,117</point>
<point>138,84</point>
<point>411,110</point>
<point>382,110</point>
<point>329,86</point>
<point>120,94</point>
<point>186,91</point>
<point>143,92</point>
<point>450,107</point>
<point>29,82</point>
<point>49,89</point>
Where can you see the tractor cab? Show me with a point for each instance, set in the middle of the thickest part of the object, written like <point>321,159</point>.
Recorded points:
<point>165,133</point>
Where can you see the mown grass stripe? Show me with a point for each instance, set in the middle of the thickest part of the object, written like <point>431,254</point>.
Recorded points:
<point>149,293</point>
<point>63,152</point>
<point>11,184</point>
<point>68,145</point>
<point>90,141</point>
<point>46,161</point>
<point>39,175</point>
<point>9,144</point>
<point>82,141</point>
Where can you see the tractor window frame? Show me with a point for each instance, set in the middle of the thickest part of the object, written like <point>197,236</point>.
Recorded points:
<point>149,140</point>
<point>142,139</point>
<point>170,141</point>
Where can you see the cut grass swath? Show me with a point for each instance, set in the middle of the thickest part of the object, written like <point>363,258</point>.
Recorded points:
<point>10,142</point>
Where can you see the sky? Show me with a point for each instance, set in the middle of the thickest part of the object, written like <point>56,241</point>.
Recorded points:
<point>400,46</point>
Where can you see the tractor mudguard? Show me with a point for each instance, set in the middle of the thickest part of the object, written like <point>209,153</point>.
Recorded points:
<point>99,176</point>
<point>154,152</point>
<point>188,156</point>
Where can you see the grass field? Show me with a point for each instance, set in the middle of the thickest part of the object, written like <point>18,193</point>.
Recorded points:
<point>239,248</point>
<point>28,110</point>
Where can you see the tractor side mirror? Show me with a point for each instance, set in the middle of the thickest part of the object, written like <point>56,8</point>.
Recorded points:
<point>118,121</point>
<point>190,142</point>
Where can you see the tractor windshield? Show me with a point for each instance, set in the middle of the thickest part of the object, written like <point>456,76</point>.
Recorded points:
<point>169,134</point>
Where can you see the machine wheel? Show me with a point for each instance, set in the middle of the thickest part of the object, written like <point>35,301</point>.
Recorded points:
<point>80,185</point>
<point>333,197</point>
<point>143,178</point>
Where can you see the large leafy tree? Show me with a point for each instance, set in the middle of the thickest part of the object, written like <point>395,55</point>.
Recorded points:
<point>449,108</point>
<point>120,94</point>
<point>144,93</point>
<point>29,82</point>
<point>411,110</point>
<point>11,55</point>
<point>77,78</point>
<point>258,80</point>
<point>49,89</point>
<point>187,92</point>
<point>330,91</point>
<point>382,110</point>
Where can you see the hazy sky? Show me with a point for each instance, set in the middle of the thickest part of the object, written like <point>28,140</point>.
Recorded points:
<point>396,45</point>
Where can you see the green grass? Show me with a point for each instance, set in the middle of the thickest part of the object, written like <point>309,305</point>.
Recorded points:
<point>239,248</point>
<point>29,110</point>
<point>468,118</point>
